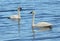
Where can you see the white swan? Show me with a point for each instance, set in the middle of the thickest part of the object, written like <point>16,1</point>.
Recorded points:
<point>16,16</point>
<point>40,24</point>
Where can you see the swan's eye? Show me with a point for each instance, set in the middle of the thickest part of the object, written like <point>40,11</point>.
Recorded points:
<point>19,8</point>
<point>33,12</point>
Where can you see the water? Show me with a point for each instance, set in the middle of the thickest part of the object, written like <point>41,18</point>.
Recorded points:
<point>46,10</point>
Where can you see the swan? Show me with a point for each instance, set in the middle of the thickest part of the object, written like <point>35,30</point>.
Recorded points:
<point>40,24</point>
<point>16,16</point>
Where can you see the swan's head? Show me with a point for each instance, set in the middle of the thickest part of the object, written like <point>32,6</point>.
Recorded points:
<point>33,12</point>
<point>19,8</point>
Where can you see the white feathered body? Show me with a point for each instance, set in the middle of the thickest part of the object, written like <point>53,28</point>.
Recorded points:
<point>15,17</point>
<point>42,24</point>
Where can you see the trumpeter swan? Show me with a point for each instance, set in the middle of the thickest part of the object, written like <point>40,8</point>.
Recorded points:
<point>40,24</point>
<point>16,16</point>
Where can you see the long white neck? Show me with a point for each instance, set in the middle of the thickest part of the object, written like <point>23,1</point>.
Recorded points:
<point>33,17</point>
<point>18,12</point>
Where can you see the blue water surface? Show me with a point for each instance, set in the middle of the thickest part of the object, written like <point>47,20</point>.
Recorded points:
<point>46,10</point>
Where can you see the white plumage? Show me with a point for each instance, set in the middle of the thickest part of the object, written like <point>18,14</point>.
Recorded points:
<point>16,16</point>
<point>40,24</point>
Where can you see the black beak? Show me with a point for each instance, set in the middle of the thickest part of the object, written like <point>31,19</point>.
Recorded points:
<point>30,12</point>
<point>20,8</point>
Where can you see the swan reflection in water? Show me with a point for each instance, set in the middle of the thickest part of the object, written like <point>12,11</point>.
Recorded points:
<point>37,29</point>
<point>34,30</point>
<point>18,25</point>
